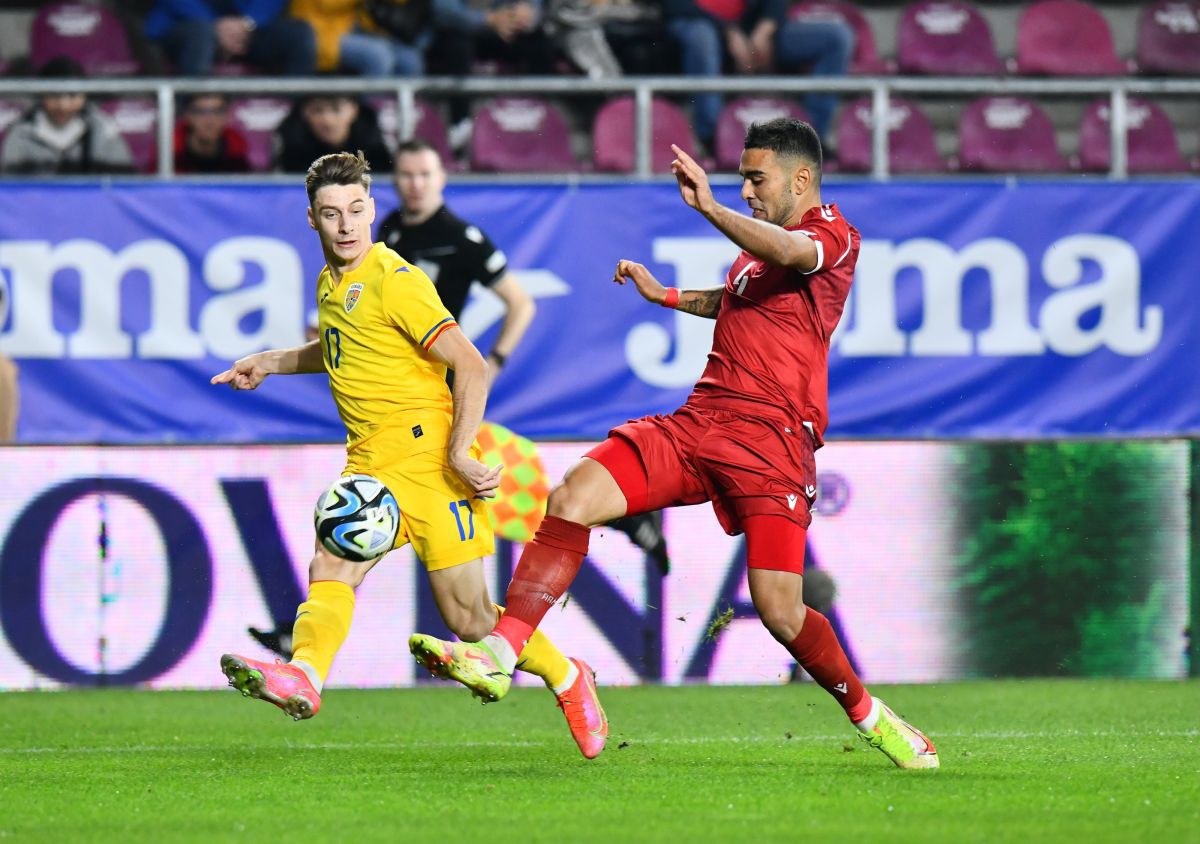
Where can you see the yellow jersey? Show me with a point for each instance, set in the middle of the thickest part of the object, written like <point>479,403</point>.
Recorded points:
<point>377,324</point>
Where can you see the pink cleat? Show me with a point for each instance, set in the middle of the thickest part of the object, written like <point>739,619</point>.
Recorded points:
<point>279,683</point>
<point>585,715</point>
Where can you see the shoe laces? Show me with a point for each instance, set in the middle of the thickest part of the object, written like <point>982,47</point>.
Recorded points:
<point>574,710</point>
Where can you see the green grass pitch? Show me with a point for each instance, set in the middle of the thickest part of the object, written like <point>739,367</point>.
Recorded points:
<point>1057,761</point>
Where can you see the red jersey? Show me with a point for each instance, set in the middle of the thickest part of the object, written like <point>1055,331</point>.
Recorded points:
<point>770,353</point>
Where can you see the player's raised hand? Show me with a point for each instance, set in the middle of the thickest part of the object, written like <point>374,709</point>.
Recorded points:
<point>651,289</point>
<point>246,374</point>
<point>479,477</point>
<point>693,181</point>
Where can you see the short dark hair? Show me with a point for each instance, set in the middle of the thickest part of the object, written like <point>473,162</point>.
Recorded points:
<point>416,145</point>
<point>337,168</point>
<point>786,136</point>
<point>61,67</point>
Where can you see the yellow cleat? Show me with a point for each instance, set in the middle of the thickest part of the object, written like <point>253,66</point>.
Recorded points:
<point>471,663</point>
<point>900,741</point>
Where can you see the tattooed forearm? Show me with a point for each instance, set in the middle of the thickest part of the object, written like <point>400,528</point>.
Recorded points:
<point>702,303</point>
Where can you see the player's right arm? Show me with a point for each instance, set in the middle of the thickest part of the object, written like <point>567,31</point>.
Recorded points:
<point>252,370</point>
<point>702,303</point>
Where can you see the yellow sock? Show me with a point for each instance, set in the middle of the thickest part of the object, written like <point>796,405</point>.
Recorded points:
<point>322,623</point>
<point>542,659</point>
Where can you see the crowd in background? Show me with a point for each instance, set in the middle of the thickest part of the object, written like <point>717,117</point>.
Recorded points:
<point>64,133</point>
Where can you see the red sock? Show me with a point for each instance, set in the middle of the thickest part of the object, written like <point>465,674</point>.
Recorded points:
<point>548,565</point>
<point>819,653</point>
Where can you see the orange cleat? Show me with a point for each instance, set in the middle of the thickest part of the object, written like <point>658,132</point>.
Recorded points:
<point>585,715</point>
<point>279,683</point>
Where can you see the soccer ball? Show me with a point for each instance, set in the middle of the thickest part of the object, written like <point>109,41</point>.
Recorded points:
<point>357,518</point>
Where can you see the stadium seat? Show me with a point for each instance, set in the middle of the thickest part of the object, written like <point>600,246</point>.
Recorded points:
<point>735,119</point>
<point>430,126</point>
<point>613,145</point>
<point>521,135</point>
<point>1065,38</point>
<point>1008,135</point>
<point>90,34</point>
<point>945,38</point>
<point>1152,145</point>
<point>911,144</point>
<point>866,60</point>
<point>136,119</point>
<point>257,118</point>
<point>1168,40</point>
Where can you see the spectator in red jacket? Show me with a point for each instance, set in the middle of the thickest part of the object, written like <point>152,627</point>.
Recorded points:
<point>204,140</point>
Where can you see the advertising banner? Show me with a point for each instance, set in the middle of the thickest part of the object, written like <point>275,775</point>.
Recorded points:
<point>979,310</point>
<point>141,565</point>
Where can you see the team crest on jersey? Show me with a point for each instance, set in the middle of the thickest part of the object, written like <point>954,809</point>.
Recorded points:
<point>352,294</point>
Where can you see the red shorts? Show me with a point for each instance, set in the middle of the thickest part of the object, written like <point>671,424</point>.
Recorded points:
<point>744,466</point>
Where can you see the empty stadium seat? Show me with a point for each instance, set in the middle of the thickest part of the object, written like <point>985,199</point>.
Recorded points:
<point>1065,38</point>
<point>257,118</point>
<point>1008,135</point>
<point>911,144</point>
<point>735,119</point>
<point>945,38</point>
<point>1168,39</point>
<point>136,119</point>
<point>430,126</point>
<point>91,35</point>
<point>521,135</point>
<point>866,60</point>
<point>1152,145</point>
<point>613,144</point>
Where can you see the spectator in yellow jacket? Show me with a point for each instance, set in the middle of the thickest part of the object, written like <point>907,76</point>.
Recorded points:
<point>378,38</point>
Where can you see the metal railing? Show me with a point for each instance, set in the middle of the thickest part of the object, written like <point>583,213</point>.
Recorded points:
<point>643,89</point>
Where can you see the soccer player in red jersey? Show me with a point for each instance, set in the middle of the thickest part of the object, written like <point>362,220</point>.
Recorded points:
<point>744,439</point>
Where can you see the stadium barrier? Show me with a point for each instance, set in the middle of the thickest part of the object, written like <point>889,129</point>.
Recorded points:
<point>122,566</point>
<point>643,89</point>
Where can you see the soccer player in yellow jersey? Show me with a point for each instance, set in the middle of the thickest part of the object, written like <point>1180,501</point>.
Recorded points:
<point>386,342</point>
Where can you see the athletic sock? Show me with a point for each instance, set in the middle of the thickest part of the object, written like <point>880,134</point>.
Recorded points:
<point>819,653</point>
<point>542,659</point>
<point>322,623</point>
<point>548,565</point>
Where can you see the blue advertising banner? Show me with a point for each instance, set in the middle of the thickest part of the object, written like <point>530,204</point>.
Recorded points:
<point>978,309</point>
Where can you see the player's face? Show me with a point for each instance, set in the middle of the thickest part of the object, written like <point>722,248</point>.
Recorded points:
<point>420,181</point>
<point>342,216</point>
<point>766,186</point>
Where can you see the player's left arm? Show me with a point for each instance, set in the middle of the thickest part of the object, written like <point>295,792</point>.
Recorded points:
<point>470,398</point>
<point>518,314</point>
<point>767,241</point>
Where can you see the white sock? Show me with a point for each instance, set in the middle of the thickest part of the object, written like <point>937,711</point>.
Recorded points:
<point>310,673</point>
<point>503,651</point>
<point>572,676</point>
<point>868,724</point>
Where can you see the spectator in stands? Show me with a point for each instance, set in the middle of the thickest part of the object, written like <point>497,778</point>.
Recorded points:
<point>331,122</point>
<point>379,38</point>
<point>204,140</point>
<point>195,32</point>
<point>755,36</point>
<point>64,133</point>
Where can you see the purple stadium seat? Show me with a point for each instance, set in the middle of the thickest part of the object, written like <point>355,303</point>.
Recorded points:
<point>911,145</point>
<point>945,38</point>
<point>257,118</point>
<point>1065,38</point>
<point>735,119</point>
<point>1008,135</point>
<point>613,146</point>
<point>1169,38</point>
<point>1153,147</point>
<point>136,119</point>
<point>430,126</point>
<point>91,35</point>
<point>521,135</point>
<point>866,60</point>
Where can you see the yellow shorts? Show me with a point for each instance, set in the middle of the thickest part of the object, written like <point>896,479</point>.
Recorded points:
<point>439,514</point>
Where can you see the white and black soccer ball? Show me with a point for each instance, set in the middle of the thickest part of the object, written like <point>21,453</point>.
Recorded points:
<point>357,518</point>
